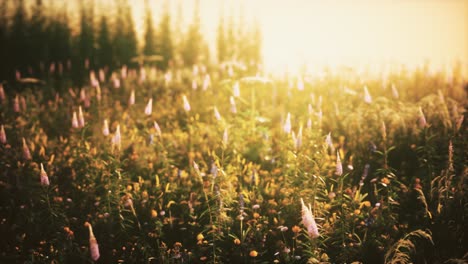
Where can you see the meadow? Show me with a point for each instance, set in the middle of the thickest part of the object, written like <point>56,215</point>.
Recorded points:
<point>215,165</point>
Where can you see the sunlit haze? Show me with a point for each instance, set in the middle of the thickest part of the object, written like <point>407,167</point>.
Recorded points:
<point>352,33</point>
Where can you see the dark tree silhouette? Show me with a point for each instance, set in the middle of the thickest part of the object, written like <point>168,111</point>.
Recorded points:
<point>166,42</point>
<point>150,36</point>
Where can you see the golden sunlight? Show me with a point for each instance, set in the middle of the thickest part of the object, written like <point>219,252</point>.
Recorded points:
<point>351,33</point>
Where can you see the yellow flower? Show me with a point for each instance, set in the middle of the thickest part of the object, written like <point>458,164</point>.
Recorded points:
<point>237,241</point>
<point>200,237</point>
<point>296,229</point>
<point>253,253</point>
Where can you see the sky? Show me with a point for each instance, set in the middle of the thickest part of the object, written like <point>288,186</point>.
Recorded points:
<point>341,32</point>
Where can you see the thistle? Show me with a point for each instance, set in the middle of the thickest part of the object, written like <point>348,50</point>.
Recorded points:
<point>3,138</point>
<point>26,152</point>
<point>44,177</point>
<point>75,120</point>
<point>309,221</point>
<point>81,121</point>
<point>93,244</point>
<point>186,103</point>
<point>149,107</point>
<point>131,100</point>
<point>367,96</point>
<point>287,124</point>
<point>105,129</point>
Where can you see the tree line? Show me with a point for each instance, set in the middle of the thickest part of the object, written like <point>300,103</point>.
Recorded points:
<point>38,38</point>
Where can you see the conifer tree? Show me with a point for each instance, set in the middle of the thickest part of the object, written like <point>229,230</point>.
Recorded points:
<point>104,45</point>
<point>166,42</point>
<point>125,42</point>
<point>150,37</point>
<point>86,39</point>
<point>221,40</point>
<point>19,47</point>
<point>192,49</point>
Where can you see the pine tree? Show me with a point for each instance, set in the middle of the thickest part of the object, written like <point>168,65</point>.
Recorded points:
<point>150,44</point>
<point>166,44</point>
<point>104,45</point>
<point>86,40</point>
<point>192,48</point>
<point>221,40</point>
<point>231,39</point>
<point>125,42</point>
<point>19,47</point>
<point>4,67</point>
<point>38,35</point>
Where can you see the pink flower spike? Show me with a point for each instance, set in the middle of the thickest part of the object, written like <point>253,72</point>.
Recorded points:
<point>44,177</point>
<point>3,138</point>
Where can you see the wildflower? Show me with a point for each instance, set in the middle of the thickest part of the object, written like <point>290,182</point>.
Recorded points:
<point>225,136</point>
<point>75,120</point>
<point>98,92</point>
<point>384,131</point>
<point>214,170</point>
<point>256,206</point>
<point>44,177</point>
<point>300,84</point>
<point>460,122</point>
<point>309,221</point>
<point>131,100</point>
<point>23,103</point>
<point>81,121</point>
<point>237,241</point>
<point>116,82</point>
<point>154,213</point>
<point>296,229</point>
<point>395,91</point>
<point>93,244</point>
<point>236,89</point>
<point>200,237</point>
<point>194,84</point>
<point>329,142</point>
<point>253,253</point>
<point>2,93</point>
<point>339,166</point>
<point>450,156</point>
<point>149,107</point>
<point>233,105</point>
<point>422,119</point>
<point>26,152</point>
<point>217,114</point>
<point>206,82</point>
<point>3,138</point>
<point>186,103</point>
<point>116,139</point>
<point>157,128</point>
<point>417,184</point>
<point>367,96</point>
<point>16,106</point>
<point>105,129</point>
<point>309,123</point>
<point>287,124</point>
